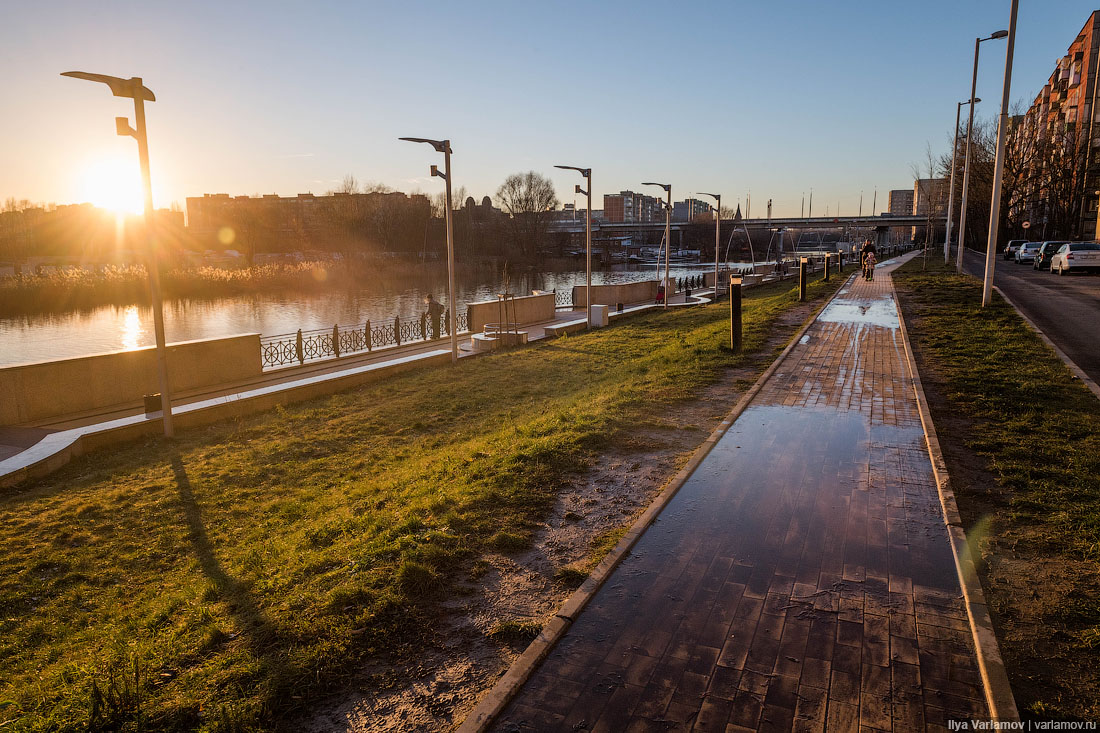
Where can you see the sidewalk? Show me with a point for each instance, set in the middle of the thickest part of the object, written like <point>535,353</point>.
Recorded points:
<point>39,448</point>
<point>802,577</point>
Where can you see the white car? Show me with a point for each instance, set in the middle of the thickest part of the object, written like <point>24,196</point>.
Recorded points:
<point>1076,256</point>
<point>1026,252</point>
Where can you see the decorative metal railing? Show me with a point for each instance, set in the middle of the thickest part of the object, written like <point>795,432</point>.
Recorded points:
<point>563,298</point>
<point>325,343</point>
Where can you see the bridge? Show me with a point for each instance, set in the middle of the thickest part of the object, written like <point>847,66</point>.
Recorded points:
<point>879,223</point>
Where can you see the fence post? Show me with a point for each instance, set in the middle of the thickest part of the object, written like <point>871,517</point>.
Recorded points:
<point>424,326</point>
<point>298,350</point>
<point>802,265</point>
<point>397,330</point>
<point>447,322</point>
<point>367,335</point>
<point>335,340</point>
<point>828,260</point>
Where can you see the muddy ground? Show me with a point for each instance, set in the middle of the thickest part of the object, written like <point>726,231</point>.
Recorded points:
<point>439,689</point>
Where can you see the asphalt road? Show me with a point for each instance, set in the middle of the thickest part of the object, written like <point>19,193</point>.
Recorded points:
<point>1066,309</point>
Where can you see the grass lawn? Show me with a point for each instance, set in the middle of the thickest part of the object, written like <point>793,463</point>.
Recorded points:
<point>223,580</point>
<point>1028,485</point>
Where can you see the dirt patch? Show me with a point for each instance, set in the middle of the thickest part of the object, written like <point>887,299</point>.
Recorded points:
<point>466,659</point>
<point>1032,589</point>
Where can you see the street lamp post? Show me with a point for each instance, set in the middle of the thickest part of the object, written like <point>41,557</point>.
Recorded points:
<point>999,164</point>
<point>951,189</point>
<point>966,156</point>
<point>668,231</point>
<point>444,146</point>
<point>717,233</point>
<point>133,88</point>
<point>587,173</point>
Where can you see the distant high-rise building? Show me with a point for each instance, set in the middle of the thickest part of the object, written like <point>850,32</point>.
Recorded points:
<point>629,207</point>
<point>901,202</point>
<point>688,209</point>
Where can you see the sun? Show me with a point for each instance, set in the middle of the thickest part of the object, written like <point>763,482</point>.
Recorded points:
<point>114,184</point>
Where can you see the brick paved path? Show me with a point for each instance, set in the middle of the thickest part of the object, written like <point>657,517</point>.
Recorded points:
<point>802,577</point>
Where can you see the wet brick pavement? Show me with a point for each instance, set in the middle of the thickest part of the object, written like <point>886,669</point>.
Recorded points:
<point>801,579</point>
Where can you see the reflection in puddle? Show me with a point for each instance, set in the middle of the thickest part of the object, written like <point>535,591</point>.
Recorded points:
<point>881,312</point>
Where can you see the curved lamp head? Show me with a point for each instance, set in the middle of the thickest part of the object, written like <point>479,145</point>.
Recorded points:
<point>441,146</point>
<point>131,88</point>
<point>998,34</point>
<point>665,186</point>
<point>715,196</point>
<point>586,172</point>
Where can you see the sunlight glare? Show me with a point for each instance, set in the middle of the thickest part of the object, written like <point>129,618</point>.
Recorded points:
<point>131,328</point>
<point>114,184</point>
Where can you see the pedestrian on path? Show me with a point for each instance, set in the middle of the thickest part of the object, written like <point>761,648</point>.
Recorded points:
<point>869,261</point>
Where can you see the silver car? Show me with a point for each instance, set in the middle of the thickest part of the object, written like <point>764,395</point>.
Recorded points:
<point>1026,252</point>
<point>1076,257</point>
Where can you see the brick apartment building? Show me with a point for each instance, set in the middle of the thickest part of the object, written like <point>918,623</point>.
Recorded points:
<point>629,207</point>
<point>1064,114</point>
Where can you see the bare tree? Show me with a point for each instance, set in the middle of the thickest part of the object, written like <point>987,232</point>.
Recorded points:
<point>528,198</point>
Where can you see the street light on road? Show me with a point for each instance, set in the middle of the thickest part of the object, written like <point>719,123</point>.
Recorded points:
<point>444,146</point>
<point>951,188</point>
<point>587,173</point>
<point>668,231</point>
<point>717,233</point>
<point>966,156</point>
<point>133,88</point>
<point>999,164</point>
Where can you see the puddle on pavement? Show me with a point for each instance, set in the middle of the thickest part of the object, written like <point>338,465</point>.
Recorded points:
<point>880,312</point>
<point>780,476</point>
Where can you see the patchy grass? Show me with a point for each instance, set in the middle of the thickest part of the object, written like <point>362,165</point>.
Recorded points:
<point>1031,437</point>
<point>222,581</point>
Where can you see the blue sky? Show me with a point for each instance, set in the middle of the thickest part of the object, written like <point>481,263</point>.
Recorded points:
<point>768,97</point>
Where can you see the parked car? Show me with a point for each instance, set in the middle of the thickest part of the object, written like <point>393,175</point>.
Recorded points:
<point>1026,252</point>
<point>1075,257</point>
<point>1011,247</point>
<point>1042,257</point>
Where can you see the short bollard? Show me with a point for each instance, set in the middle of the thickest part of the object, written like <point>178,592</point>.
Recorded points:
<point>735,314</point>
<point>840,263</point>
<point>802,267</point>
<point>335,340</point>
<point>828,260</point>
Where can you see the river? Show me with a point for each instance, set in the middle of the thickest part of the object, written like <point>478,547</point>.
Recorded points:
<point>112,328</point>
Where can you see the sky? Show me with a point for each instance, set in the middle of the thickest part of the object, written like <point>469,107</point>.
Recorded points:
<point>761,99</point>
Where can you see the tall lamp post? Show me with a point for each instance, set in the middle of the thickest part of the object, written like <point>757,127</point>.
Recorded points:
<point>998,166</point>
<point>133,88</point>
<point>668,231</point>
<point>444,146</point>
<point>966,156</point>
<point>951,188</point>
<point>587,173</point>
<point>717,232</point>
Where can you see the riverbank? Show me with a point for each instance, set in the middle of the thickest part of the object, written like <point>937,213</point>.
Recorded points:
<point>61,290</point>
<point>1021,438</point>
<point>231,577</point>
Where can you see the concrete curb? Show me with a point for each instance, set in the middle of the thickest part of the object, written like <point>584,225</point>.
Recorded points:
<point>1077,371</point>
<point>490,706</point>
<point>998,692</point>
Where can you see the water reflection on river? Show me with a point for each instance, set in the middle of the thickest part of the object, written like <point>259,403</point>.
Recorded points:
<point>110,328</point>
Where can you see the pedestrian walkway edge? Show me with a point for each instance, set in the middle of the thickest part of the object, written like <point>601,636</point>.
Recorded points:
<point>998,692</point>
<point>1077,371</point>
<point>489,707</point>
